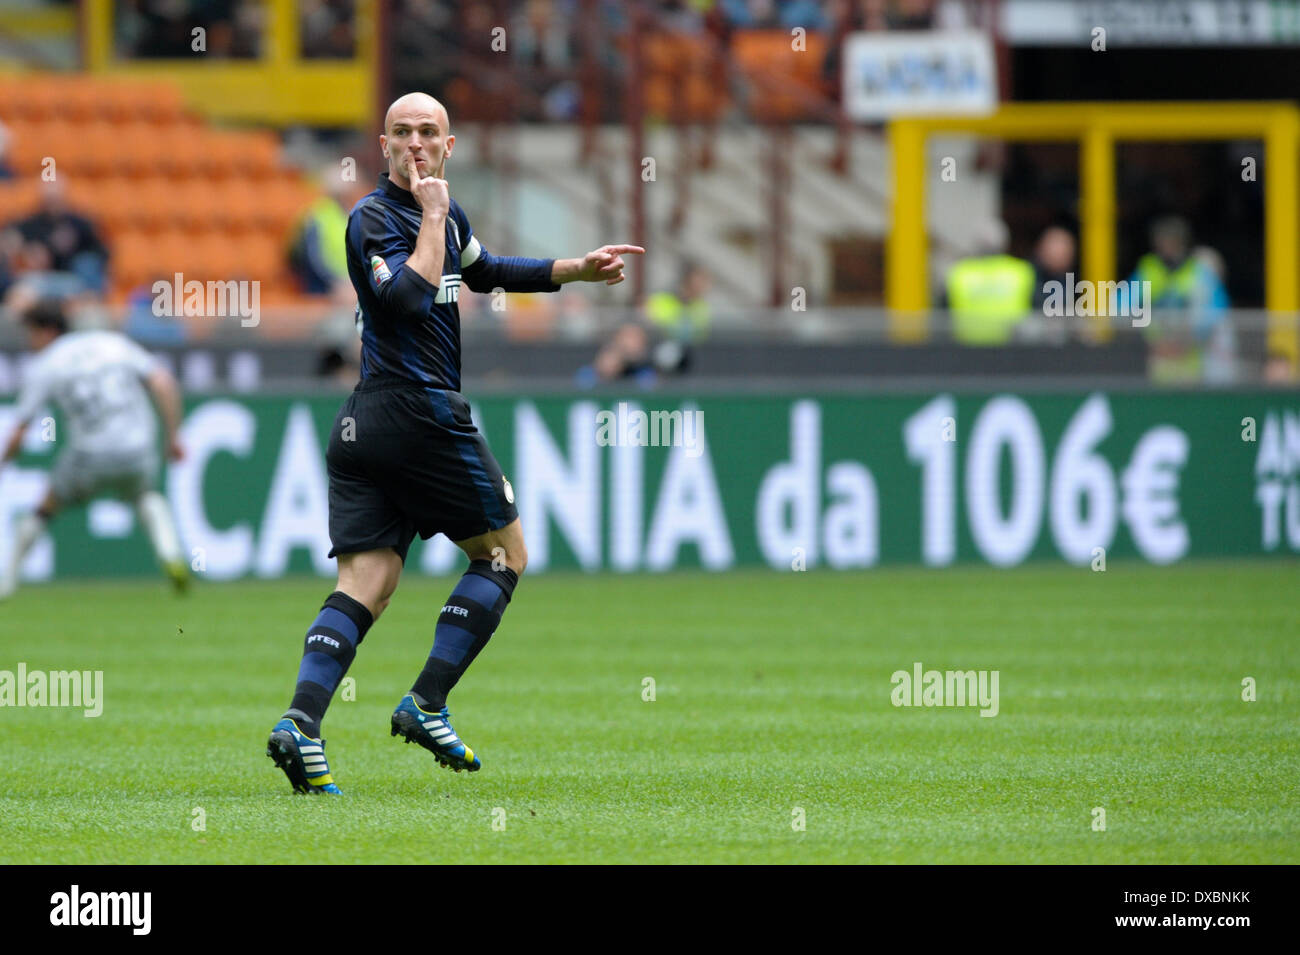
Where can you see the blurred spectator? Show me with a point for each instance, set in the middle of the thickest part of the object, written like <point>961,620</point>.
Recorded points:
<point>1054,257</point>
<point>910,14</point>
<point>1278,369</point>
<point>327,29</point>
<point>1054,261</point>
<point>542,43</point>
<point>625,355</point>
<point>990,293</point>
<point>1190,335</point>
<point>446,45</point>
<point>318,253</point>
<point>6,170</point>
<point>338,359</point>
<point>675,320</point>
<point>56,239</point>
<point>143,326</point>
<point>164,29</point>
<point>1216,331</point>
<point>682,318</point>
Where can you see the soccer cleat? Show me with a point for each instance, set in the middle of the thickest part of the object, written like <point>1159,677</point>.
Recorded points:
<point>301,757</point>
<point>179,574</point>
<point>433,731</point>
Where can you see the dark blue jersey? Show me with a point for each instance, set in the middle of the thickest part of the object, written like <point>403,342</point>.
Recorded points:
<point>409,327</point>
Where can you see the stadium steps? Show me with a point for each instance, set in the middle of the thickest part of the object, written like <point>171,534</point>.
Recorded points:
<point>728,214</point>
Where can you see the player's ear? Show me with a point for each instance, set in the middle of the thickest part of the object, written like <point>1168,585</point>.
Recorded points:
<point>383,145</point>
<point>451,141</point>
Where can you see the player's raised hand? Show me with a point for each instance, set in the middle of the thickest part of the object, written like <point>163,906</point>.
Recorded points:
<point>606,263</point>
<point>430,192</point>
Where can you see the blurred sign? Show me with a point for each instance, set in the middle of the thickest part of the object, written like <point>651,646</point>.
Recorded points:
<point>831,480</point>
<point>909,74</point>
<point>1152,23</point>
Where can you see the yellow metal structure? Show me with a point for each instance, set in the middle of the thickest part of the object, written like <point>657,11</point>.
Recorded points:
<point>1097,127</point>
<point>278,88</point>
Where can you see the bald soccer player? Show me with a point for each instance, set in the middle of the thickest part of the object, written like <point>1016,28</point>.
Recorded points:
<point>404,457</point>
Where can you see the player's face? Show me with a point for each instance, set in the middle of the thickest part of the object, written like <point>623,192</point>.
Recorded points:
<point>38,338</point>
<point>419,132</point>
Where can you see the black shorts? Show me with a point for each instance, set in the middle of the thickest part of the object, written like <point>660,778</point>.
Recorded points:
<point>403,460</point>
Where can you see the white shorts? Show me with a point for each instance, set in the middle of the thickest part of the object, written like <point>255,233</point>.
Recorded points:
<point>79,476</point>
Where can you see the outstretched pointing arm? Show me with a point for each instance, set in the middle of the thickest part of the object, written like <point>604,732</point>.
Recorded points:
<point>601,265</point>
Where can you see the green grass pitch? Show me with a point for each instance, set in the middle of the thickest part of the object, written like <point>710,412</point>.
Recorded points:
<point>1120,690</point>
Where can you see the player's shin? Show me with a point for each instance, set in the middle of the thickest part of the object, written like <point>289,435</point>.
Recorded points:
<point>328,651</point>
<point>466,623</point>
<point>157,520</point>
<point>30,529</point>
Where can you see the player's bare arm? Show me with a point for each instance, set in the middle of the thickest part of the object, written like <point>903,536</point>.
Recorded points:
<point>600,265</point>
<point>14,443</point>
<point>166,395</point>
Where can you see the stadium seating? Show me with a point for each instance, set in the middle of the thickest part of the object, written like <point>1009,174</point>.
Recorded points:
<point>171,192</point>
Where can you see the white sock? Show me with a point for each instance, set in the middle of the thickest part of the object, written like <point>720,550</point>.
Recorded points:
<point>30,528</point>
<point>157,520</point>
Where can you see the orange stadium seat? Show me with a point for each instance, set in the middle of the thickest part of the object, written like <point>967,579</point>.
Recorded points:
<point>111,202</point>
<point>260,257</point>
<point>23,100</point>
<point>768,59</point>
<point>220,157</point>
<point>160,103</point>
<point>244,210</point>
<point>10,92</point>
<point>138,148</point>
<point>682,80</point>
<point>171,193</point>
<point>172,251</point>
<point>54,139</point>
<point>260,158</point>
<point>19,198</point>
<point>25,151</point>
<point>181,154</point>
<point>133,261</point>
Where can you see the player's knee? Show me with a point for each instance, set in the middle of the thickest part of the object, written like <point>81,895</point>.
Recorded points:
<point>517,558</point>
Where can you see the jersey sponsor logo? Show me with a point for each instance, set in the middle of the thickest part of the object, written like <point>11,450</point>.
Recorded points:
<point>448,290</point>
<point>379,269</point>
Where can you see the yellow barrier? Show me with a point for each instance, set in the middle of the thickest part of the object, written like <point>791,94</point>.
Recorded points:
<point>1097,127</point>
<point>277,89</point>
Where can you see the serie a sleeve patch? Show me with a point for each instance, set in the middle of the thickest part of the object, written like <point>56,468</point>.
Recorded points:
<point>379,269</point>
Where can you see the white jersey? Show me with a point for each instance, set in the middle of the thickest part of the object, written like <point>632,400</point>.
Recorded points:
<point>96,379</point>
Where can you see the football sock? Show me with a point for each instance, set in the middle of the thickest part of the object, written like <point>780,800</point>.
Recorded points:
<point>327,653</point>
<point>157,520</point>
<point>30,529</point>
<point>465,625</point>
